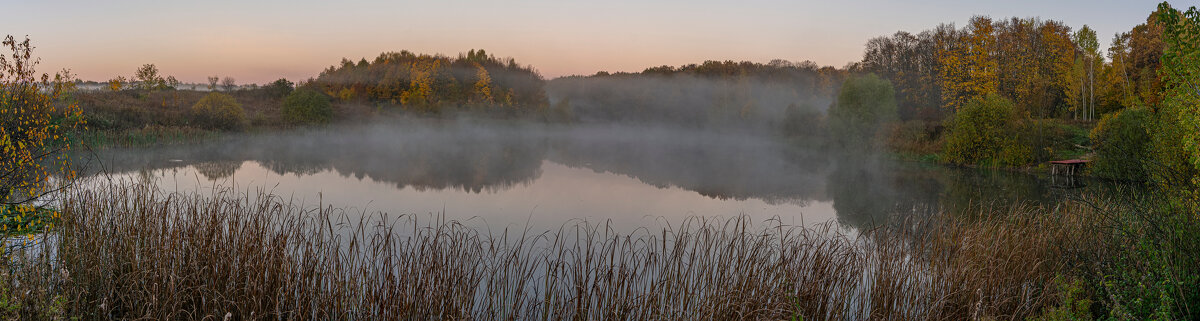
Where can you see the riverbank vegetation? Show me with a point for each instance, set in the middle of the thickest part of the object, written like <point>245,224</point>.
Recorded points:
<point>128,250</point>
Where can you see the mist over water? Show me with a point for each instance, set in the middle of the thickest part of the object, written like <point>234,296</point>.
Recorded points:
<point>505,174</point>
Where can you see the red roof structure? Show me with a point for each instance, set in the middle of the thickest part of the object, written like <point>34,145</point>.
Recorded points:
<point>1071,165</point>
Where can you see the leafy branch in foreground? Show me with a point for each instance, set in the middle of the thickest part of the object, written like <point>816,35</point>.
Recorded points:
<point>34,131</point>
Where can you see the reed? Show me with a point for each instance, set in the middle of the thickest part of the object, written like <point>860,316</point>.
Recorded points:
<point>132,252</point>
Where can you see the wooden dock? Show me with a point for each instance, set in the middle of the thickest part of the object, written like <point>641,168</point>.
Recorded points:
<point>1070,166</point>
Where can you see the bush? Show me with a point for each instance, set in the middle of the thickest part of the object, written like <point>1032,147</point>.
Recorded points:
<point>1044,140</point>
<point>219,111</point>
<point>916,138</point>
<point>306,106</point>
<point>279,88</point>
<point>981,133</point>
<point>863,105</point>
<point>1120,141</point>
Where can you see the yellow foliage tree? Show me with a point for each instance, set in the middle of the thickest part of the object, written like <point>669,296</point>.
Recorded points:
<point>483,86</point>
<point>419,95</point>
<point>116,84</point>
<point>969,67</point>
<point>34,133</point>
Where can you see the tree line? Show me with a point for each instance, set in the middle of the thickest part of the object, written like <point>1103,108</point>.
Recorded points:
<point>428,83</point>
<point>712,93</point>
<point>1045,68</point>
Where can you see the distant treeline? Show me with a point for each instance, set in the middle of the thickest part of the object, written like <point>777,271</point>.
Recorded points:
<point>1047,70</point>
<point>696,95</point>
<point>429,83</point>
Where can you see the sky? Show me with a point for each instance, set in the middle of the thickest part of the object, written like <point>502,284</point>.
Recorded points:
<point>260,41</point>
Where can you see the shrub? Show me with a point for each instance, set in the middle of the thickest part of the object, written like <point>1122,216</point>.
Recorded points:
<point>1120,141</point>
<point>1045,140</point>
<point>306,106</point>
<point>980,133</point>
<point>916,138</point>
<point>219,111</point>
<point>863,104</point>
<point>279,88</point>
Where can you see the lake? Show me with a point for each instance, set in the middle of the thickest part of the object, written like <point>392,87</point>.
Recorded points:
<point>510,175</point>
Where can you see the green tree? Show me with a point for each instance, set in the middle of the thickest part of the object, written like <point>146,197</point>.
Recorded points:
<point>306,106</point>
<point>279,88</point>
<point>33,132</point>
<point>1177,130</point>
<point>219,111</point>
<point>1121,140</point>
<point>863,104</point>
<point>980,133</point>
<point>149,79</point>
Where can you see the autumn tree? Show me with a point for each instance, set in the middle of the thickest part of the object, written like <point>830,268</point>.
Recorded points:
<point>34,133</point>
<point>1132,78</point>
<point>483,86</point>
<point>420,93</point>
<point>428,83</point>
<point>1055,57</point>
<point>228,83</point>
<point>148,78</point>
<point>117,83</point>
<point>969,68</point>
<point>1088,64</point>
<point>212,82</point>
<point>909,62</point>
<point>1145,60</point>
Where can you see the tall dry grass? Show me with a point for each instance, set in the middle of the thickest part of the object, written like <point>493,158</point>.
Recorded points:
<point>130,252</point>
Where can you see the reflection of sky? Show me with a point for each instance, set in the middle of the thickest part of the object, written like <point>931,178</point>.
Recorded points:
<point>559,195</point>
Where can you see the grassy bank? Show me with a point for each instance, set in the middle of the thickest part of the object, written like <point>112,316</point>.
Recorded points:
<point>130,252</point>
<point>147,136</point>
<point>924,141</point>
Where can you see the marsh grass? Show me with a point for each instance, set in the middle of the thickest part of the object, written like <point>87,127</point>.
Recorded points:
<point>132,252</point>
<point>150,135</point>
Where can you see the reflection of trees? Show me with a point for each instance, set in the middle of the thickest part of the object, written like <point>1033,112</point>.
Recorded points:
<point>423,159</point>
<point>968,191</point>
<point>217,170</point>
<point>741,168</point>
<point>865,192</point>
<point>467,161</point>
<point>862,193</point>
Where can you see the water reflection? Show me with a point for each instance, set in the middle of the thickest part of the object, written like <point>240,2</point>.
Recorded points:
<point>515,173</point>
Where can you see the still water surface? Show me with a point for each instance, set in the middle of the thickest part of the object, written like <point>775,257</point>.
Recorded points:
<point>508,175</point>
